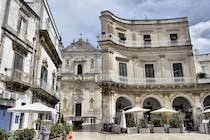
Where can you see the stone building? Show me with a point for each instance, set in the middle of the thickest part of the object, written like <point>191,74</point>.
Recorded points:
<point>149,63</point>
<point>47,58</point>
<point>30,57</point>
<point>202,63</point>
<point>17,46</point>
<point>81,96</point>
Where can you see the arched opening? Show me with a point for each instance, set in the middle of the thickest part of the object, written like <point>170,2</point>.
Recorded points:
<point>151,104</point>
<point>206,102</point>
<point>79,69</point>
<point>183,105</point>
<point>122,104</point>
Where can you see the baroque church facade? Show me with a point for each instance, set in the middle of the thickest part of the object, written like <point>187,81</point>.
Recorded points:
<point>81,96</point>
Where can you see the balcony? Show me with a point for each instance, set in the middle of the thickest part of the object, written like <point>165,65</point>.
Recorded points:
<point>145,81</point>
<point>46,90</point>
<point>49,36</point>
<point>17,80</point>
<point>72,77</point>
<point>138,44</point>
<point>203,80</point>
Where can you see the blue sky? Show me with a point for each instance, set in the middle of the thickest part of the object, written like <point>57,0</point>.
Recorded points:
<point>82,16</point>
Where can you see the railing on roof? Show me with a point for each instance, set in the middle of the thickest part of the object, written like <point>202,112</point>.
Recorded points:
<point>131,43</point>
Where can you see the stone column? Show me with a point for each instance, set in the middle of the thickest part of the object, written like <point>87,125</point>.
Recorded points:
<point>107,108</point>
<point>197,111</point>
<point>107,61</point>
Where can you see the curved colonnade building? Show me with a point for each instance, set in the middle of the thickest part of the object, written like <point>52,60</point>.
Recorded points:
<point>149,63</point>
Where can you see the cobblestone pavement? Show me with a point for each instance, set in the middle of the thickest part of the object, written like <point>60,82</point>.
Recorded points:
<point>100,136</point>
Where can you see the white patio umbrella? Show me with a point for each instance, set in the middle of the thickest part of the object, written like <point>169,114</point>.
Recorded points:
<point>136,110</point>
<point>206,111</point>
<point>165,111</point>
<point>33,108</point>
<point>123,120</point>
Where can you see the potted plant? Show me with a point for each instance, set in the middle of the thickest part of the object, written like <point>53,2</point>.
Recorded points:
<point>3,134</point>
<point>158,125</point>
<point>143,126</point>
<point>201,75</point>
<point>174,125</point>
<point>24,134</point>
<point>57,131</point>
<point>132,129</point>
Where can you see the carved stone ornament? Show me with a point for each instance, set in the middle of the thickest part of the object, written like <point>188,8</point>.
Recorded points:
<point>44,62</point>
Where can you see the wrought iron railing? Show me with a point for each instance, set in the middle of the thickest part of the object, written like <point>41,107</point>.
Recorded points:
<point>17,76</point>
<point>145,81</point>
<point>39,83</point>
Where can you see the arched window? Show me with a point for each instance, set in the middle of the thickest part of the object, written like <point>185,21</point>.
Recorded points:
<point>79,69</point>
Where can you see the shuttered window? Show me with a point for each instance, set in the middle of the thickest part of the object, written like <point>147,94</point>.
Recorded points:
<point>177,67</point>
<point>149,70</point>
<point>123,69</point>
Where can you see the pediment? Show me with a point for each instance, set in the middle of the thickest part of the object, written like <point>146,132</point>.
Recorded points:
<point>80,46</point>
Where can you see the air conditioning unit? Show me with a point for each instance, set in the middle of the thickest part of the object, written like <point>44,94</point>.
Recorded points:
<point>15,96</point>
<point>7,95</point>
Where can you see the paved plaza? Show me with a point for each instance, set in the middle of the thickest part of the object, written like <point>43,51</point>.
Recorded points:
<point>100,136</point>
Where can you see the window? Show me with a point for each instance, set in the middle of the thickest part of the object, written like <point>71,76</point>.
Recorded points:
<point>149,72</point>
<point>44,74</point>
<point>18,66</point>
<point>22,26</point>
<point>204,69</point>
<point>123,69</point>
<point>53,80</point>
<point>173,38</point>
<point>79,69</point>
<point>123,72</point>
<point>178,72</point>
<point>18,62</point>
<point>78,111</point>
<point>147,40</point>
<point>121,36</point>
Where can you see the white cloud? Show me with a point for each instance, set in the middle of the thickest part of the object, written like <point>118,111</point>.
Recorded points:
<point>82,16</point>
<point>199,28</point>
<point>200,36</point>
